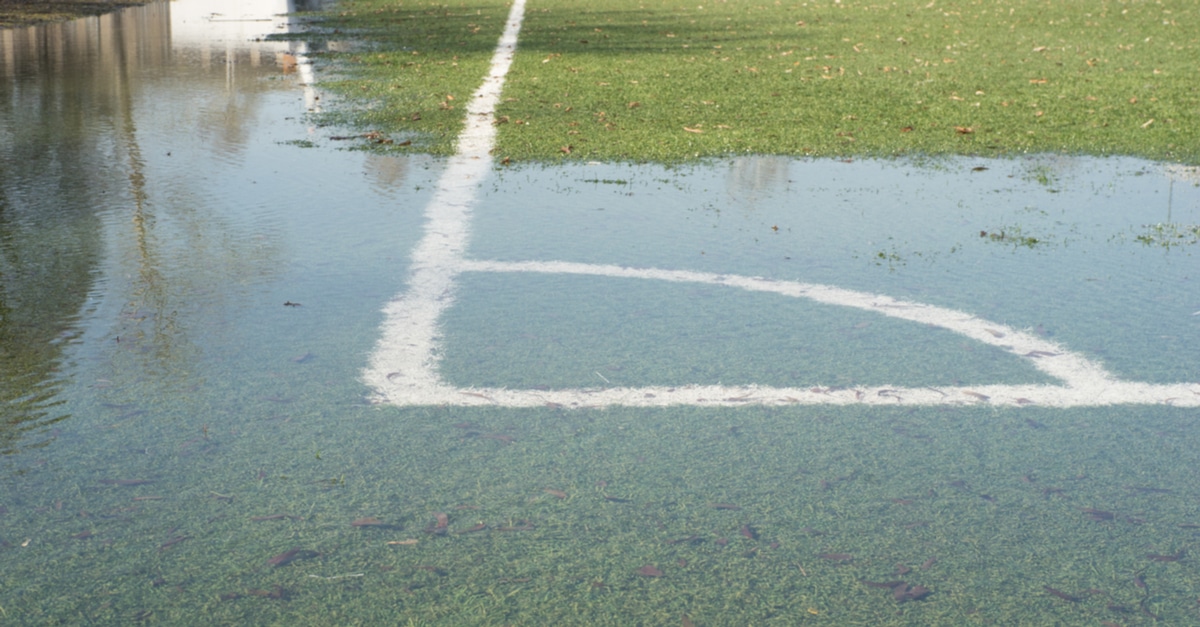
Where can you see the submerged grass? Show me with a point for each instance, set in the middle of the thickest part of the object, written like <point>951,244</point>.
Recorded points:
<point>985,508</point>
<point>670,81</point>
<point>411,68</point>
<point>605,335</point>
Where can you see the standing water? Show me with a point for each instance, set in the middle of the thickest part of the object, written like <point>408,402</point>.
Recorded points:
<point>675,424</point>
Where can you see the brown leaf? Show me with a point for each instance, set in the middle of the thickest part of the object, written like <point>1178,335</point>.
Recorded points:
<point>649,571</point>
<point>963,130</point>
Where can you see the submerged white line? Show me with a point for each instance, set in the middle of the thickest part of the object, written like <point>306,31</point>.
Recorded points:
<point>406,357</point>
<point>1117,393</point>
<point>403,370</point>
<point>1073,369</point>
<point>1085,383</point>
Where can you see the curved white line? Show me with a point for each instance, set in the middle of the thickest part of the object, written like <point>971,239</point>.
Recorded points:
<point>403,370</point>
<point>1086,383</point>
<point>1051,358</point>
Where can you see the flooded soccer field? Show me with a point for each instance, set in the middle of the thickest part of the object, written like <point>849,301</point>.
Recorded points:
<point>252,377</point>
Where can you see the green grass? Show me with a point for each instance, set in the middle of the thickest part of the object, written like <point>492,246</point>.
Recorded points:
<point>670,81</point>
<point>411,67</point>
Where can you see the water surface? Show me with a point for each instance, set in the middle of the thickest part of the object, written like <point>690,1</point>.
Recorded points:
<point>191,280</point>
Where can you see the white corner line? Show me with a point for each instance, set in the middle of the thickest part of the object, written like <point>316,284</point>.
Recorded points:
<point>409,340</point>
<point>403,369</point>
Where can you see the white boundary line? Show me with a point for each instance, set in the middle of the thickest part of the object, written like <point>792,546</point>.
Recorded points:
<point>409,336</point>
<point>403,370</point>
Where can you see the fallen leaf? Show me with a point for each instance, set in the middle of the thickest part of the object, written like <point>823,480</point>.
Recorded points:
<point>692,130</point>
<point>963,130</point>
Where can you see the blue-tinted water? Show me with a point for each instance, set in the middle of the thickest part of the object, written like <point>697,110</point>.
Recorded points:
<point>193,278</point>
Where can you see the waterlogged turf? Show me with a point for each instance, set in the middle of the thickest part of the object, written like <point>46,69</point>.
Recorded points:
<point>572,332</point>
<point>1053,244</point>
<point>187,438</point>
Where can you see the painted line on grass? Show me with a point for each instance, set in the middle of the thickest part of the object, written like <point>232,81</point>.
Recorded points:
<point>409,340</point>
<point>1085,382</point>
<point>403,370</point>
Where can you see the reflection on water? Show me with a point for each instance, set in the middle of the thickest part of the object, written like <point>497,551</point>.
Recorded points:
<point>752,177</point>
<point>387,171</point>
<point>190,297</point>
<point>88,111</point>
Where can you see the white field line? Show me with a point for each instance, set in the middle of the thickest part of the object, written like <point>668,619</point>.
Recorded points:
<point>1086,383</point>
<point>409,340</point>
<point>403,370</point>
<point>1074,370</point>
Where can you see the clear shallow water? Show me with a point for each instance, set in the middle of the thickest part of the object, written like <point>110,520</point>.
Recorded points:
<point>170,426</point>
<point>1070,262</point>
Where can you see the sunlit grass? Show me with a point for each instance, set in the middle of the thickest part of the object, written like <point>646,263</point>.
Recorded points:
<point>667,80</point>
<point>410,66</point>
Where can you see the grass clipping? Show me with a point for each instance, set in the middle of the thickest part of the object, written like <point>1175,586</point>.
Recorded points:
<point>646,80</point>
